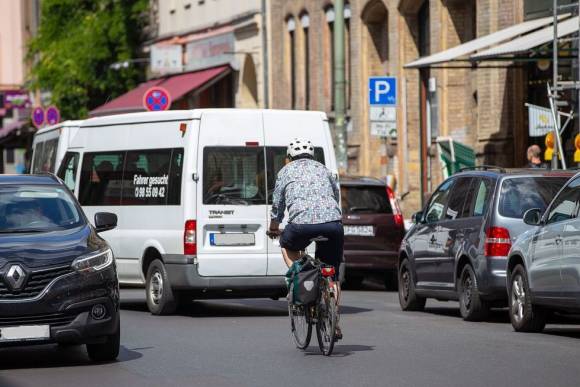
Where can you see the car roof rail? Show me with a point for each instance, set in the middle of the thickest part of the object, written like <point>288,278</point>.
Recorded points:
<point>483,168</point>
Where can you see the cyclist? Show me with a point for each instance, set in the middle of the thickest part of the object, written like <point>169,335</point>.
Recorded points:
<point>310,193</point>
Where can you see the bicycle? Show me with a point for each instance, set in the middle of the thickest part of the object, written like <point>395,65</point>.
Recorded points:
<point>323,313</point>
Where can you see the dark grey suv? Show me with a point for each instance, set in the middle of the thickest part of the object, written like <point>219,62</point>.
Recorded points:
<point>457,247</point>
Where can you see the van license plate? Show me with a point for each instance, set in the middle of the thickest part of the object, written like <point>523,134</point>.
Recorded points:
<point>25,332</point>
<point>359,230</point>
<point>232,239</point>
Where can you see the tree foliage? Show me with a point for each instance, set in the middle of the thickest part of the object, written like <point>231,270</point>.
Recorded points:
<point>77,42</point>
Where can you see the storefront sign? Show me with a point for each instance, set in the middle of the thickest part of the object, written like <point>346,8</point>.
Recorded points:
<point>166,59</point>
<point>540,120</point>
<point>16,99</point>
<point>210,52</point>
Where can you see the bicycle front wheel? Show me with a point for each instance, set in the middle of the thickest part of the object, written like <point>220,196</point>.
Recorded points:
<point>300,325</point>
<point>326,322</point>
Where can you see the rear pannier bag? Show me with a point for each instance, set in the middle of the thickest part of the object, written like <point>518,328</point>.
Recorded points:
<point>303,279</point>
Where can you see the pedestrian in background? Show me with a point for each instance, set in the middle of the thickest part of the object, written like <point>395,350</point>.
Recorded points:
<point>534,157</point>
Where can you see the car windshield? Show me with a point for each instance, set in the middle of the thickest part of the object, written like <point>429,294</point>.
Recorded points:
<point>37,209</point>
<point>361,199</point>
<point>523,193</point>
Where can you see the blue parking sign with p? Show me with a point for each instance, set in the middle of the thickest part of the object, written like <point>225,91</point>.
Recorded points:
<point>383,91</point>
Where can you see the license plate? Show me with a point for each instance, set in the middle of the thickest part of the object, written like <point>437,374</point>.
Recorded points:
<point>359,230</point>
<point>25,332</point>
<point>232,239</point>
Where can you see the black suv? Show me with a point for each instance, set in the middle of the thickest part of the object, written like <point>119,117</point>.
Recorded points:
<point>58,281</point>
<point>458,246</point>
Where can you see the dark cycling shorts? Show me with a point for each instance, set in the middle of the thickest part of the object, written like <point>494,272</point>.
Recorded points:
<point>296,237</point>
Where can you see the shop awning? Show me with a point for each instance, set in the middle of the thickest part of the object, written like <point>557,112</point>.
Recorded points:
<point>9,128</point>
<point>454,155</point>
<point>458,52</point>
<point>177,85</point>
<point>528,42</point>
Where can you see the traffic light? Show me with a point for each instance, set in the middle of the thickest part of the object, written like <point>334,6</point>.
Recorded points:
<point>549,146</point>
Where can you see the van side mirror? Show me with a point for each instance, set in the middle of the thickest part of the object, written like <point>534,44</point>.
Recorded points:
<point>533,217</point>
<point>417,217</point>
<point>105,221</point>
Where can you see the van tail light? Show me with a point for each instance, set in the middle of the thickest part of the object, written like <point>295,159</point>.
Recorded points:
<point>189,238</point>
<point>497,242</point>
<point>397,214</point>
<point>327,271</point>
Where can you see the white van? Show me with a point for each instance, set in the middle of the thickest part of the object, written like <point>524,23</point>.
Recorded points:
<point>50,144</point>
<point>192,192</point>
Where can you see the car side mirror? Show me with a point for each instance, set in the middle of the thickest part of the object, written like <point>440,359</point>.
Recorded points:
<point>417,217</point>
<point>533,217</point>
<point>105,221</point>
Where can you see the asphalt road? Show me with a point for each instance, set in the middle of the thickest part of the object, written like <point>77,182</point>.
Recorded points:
<point>247,343</point>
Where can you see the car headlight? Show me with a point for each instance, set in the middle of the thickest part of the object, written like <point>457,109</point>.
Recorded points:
<point>93,262</point>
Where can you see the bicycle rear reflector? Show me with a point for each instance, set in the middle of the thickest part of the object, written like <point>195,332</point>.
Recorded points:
<point>327,271</point>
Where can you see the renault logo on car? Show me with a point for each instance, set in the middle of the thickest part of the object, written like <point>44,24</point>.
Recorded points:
<point>15,277</point>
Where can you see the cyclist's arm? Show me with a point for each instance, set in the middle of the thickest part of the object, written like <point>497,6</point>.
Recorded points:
<point>278,203</point>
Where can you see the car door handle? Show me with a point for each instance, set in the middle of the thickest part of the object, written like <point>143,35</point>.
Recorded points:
<point>558,240</point>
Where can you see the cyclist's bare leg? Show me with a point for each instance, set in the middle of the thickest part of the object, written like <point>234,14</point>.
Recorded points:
<point>290,256</point>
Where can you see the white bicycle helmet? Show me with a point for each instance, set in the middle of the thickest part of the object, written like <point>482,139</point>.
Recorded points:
<point>300,146</point>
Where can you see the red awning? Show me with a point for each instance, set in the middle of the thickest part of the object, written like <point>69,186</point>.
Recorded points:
<point>177,86</point>
<point>9,128</point>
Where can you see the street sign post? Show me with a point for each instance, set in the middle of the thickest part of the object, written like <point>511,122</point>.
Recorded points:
<point>38,117</point>
<point>383,106</point>
<point>52,115</point>
<point>156,99</point>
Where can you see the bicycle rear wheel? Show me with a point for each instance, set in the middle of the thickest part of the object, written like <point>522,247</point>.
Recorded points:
<point>300,325</point>
<point>326,322</point>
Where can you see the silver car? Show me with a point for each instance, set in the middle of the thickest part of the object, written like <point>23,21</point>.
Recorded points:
<point>543,271</point>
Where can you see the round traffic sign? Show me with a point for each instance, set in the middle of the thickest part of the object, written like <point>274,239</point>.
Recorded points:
<point>38,116</point>
<point>52,115</point>
<point>156,99</point>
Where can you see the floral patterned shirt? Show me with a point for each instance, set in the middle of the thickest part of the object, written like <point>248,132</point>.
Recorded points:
<point>309,191</point>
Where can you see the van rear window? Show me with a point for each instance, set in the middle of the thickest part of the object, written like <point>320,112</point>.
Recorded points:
<point>365,199</point>
<point>520,194</point>
<point>234,175</point>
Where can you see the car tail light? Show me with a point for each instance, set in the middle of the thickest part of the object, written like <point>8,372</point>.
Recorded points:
<point>397,214</point>
<point>327,271</point>
<point>497,242</point>
<point>189,238</point>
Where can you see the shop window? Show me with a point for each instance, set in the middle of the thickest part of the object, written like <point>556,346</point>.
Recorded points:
<point>305,22</point>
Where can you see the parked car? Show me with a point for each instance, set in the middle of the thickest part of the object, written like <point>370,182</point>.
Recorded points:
<point>543,268</point>
<point>58,282</point>
<point>373,229</point>
<point>458,247</point>
<point>193,189</point>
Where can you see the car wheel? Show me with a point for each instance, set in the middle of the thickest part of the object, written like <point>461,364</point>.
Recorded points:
<point>107,351</point>
<point>524,316</point>
<point>161,299</point>
<point>407,298</point>
<point>471,305</point>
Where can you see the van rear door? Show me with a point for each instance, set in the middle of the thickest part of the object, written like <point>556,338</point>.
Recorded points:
<point>231,216</point>
<point>280,127</point>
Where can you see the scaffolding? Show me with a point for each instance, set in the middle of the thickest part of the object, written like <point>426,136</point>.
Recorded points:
<point>559,86</point>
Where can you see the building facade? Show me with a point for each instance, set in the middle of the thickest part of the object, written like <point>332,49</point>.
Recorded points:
<point>479,106</point>
<point>18,23</point>
<point>204,53</point>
